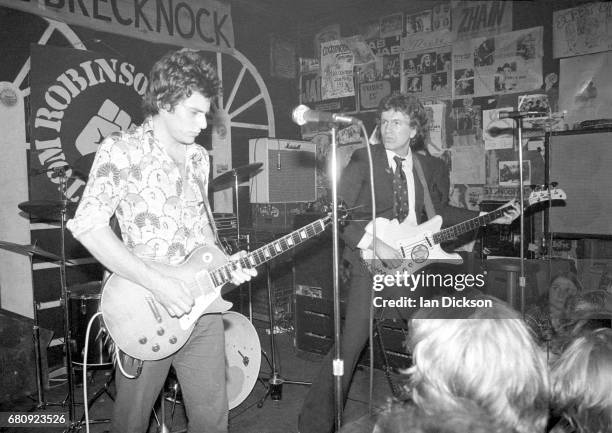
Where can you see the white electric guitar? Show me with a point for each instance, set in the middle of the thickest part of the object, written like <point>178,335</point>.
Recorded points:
<point>142,328</point>
<point>420,245</point>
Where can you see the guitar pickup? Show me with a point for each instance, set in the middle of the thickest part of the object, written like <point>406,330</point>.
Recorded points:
<point>154,309</point>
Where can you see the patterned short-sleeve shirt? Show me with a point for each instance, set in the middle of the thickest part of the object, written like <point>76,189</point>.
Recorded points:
<point>159,209</point>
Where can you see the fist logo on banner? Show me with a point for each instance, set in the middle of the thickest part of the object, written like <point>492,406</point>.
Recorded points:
<point>110,118</point>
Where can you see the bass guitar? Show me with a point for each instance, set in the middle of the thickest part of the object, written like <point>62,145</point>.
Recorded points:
<point>142,328</point>
<point>420,245</point>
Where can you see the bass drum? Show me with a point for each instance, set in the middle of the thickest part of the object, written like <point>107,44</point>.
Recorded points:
<point>242,361</point>
<point>242,357</point>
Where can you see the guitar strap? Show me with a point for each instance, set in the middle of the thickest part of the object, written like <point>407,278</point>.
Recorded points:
<point>429,207</point>
<point>209,215</point>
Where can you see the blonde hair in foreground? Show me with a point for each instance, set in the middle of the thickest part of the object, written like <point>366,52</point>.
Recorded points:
<point>486,356</point>
<point>582,382</point>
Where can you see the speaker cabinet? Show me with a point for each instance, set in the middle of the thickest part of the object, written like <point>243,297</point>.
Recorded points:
<point>17,356</point>
<point>580,163</point>
<point>289,171</point>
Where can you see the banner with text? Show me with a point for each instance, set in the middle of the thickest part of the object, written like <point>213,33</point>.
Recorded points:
<point>199,24</point>
<point>471,19</point>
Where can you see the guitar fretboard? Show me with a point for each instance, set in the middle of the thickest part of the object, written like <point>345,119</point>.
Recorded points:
<point>466,226</point>
<point>222,275</point>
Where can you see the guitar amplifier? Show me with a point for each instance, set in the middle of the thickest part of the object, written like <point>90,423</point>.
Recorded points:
<point>289,170</point>
<point>227,225</point>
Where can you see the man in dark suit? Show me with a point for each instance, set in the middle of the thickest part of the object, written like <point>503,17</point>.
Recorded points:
<point>402,125</point>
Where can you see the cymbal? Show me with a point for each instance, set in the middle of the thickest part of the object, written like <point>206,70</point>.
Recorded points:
<point>48,209</point>
<point>81,166</point>
<point>27,250</point>
<point>242,173</point>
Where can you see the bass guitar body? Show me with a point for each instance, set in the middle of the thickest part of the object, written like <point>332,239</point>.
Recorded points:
<point>141,326</point>
<point>415,244</point>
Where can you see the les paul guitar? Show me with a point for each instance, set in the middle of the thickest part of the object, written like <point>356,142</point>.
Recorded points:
<point>420,245</point>
<point>142,328</point>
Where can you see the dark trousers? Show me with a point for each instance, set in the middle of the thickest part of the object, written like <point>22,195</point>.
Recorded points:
<point>200,367</point>
<point>318,412</point>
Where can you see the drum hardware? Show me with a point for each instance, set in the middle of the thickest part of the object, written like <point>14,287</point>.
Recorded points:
<point>60,210</point>
<point>231,178</point>
<point>274,385</point>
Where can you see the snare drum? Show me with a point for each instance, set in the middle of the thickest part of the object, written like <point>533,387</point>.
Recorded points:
<point>84,302</point>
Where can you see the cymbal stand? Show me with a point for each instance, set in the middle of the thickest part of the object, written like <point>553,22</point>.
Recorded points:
<point>274,388</point>
<point>61,173</point>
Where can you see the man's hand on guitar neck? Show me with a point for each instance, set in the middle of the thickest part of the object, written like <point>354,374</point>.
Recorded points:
<point>239,274</point>
<point>512,212</point>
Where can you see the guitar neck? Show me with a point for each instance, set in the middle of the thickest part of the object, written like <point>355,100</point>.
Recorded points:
<point>222,274</point>
<point>466,226</point>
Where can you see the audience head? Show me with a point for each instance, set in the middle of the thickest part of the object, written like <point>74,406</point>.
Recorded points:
<point>407,418</point>
<point>562,286</point>
<point>582,382</point>
<point>483,355</point>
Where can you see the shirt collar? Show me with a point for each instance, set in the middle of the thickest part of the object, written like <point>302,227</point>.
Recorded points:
<point>407,163</point>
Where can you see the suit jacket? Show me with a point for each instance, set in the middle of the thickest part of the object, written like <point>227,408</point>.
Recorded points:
<point>354,189</point>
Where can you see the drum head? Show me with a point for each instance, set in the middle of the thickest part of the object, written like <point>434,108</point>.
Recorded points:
<point>242,357</point>
<point>89,290</point>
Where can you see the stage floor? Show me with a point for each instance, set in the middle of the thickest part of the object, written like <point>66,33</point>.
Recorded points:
<point>273,417</point>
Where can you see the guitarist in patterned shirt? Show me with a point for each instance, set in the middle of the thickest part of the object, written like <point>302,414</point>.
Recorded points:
<point>154,179</point>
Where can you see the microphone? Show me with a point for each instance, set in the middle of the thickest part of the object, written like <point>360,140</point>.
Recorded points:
<point>518,114</point>
<point>303,115</point>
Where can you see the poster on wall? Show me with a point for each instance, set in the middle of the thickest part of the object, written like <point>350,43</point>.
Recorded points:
<point>336,70</point>
<point>497,133</point>
<point>480,18</point>
<point>585,29</point>
<point>507,63</point>
<point>382,76</point>
<point>428,73</point>
<point>467,165</point>
<point>465,125</point>
<point>509,174</point>
<point>77,98</point>
<point>326,34</point>
<point>310,94</point>
<point>585,87</point>
<point>418,23</point>
<point>391,25</point>
<point>436,143</point>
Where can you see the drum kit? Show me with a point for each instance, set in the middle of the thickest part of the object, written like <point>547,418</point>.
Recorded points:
<point>81,301</point>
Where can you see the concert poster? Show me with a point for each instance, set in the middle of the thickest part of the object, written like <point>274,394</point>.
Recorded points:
<point>498,65</point>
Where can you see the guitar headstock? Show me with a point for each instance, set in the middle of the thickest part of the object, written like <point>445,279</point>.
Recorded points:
<point>544,193</point>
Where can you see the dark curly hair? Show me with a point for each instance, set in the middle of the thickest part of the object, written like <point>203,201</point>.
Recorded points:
<point>177,76</point>
<point>412,107</point>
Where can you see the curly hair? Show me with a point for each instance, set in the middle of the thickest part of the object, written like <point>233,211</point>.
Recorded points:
<point>581,382</point>
<point>177,76</point>
<point>411,107</point>
<point>454,358</point>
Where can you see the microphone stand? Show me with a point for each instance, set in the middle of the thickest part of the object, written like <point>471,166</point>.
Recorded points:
<point>338,362</point>
<point>522,282</point>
